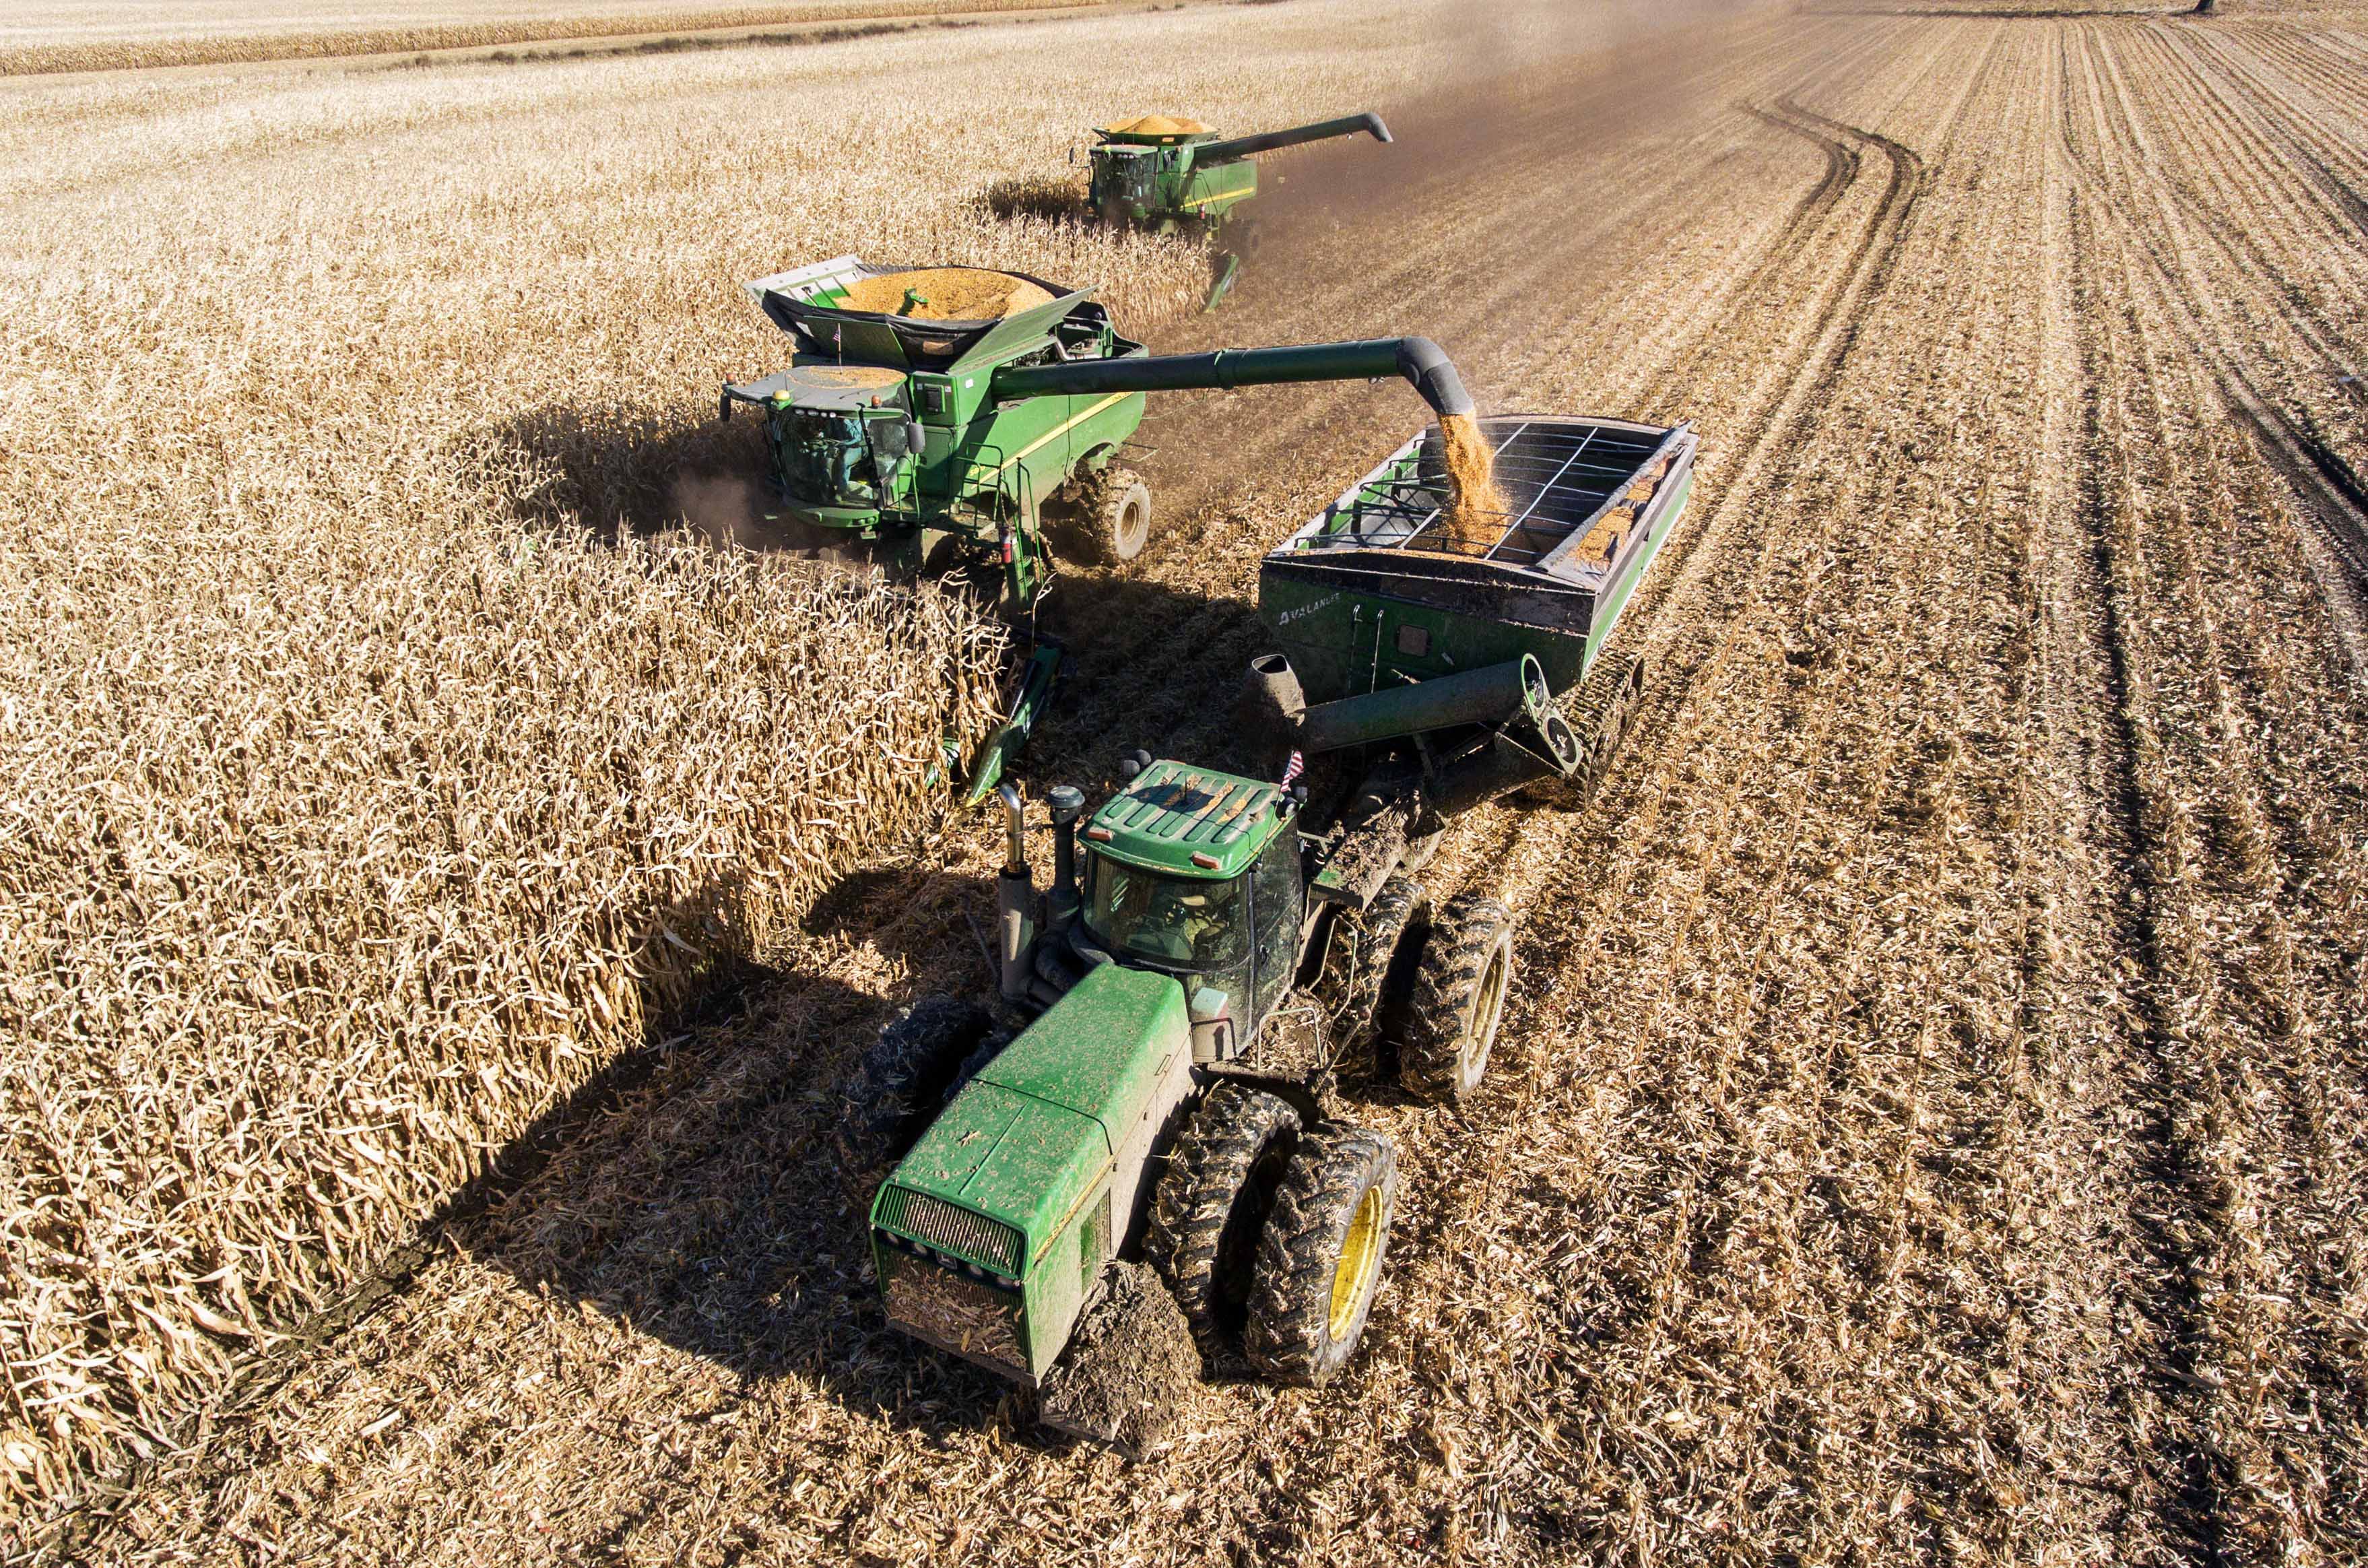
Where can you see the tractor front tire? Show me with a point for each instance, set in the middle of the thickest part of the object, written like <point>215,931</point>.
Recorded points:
<point>1212,1204</point>
<point>1384,937</point>
<point>1117,516</point>
<point>905,1079</point>
<point>1319,1262</point>
<point>1459,999</point>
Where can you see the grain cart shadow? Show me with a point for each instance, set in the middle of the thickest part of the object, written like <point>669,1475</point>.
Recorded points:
<point>706,1203</point>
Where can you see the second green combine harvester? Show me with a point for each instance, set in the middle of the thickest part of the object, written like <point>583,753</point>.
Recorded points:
<point>1158,1083</point>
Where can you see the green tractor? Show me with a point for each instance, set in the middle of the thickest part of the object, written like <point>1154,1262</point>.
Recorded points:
<point>1146,1138</point>
<point>1168,173</point>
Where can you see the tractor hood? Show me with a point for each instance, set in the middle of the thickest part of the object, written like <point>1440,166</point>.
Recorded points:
<point>1028,1140</point>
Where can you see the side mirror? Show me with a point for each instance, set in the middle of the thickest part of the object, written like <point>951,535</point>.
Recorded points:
<point>723,408</point>
<point>914,437</point>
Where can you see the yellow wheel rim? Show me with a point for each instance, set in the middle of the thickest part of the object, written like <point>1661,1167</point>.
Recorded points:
<point>1361,1257</point>
<point>1491,1001</point>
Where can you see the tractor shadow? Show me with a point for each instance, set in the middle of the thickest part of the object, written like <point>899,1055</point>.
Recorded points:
<point>698,1194</point>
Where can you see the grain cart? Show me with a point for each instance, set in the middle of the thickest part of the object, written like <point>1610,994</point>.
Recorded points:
<point>1167,174</point>
<point>1155,1093</point>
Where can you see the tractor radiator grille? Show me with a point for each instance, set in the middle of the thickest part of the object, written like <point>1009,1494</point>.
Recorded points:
<point>940,1223</point>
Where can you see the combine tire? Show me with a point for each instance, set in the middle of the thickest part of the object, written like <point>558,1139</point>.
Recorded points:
<point>1320,1258</point>
<point>1117,516</point>
<point>1211,1204</point>
<point>1459,999</point>
<point>1379,971</point>
<point>920,1058</point>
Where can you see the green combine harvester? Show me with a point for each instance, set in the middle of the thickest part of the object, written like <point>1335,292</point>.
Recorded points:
<point>927,439</point>
<point>1156,1089</point>
<point>1168,173</point>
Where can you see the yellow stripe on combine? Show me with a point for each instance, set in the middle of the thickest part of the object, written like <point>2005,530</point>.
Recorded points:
<point>1061,429</point>
<point>1224,195</point>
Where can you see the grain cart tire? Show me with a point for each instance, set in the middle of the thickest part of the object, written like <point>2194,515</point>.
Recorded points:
<point>1459,999</point>
<point>1384,941</point>
<point>1117,516</point>
<point>1319,1261</point>
<point>904,1080</point>
<point>1209,1208</point>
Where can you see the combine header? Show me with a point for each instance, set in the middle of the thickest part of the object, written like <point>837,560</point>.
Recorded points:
<point>1168,173</point>
<point>1158,1083</point>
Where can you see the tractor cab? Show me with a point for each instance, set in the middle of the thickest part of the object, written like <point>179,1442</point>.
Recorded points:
<point>1196,874</point>
<point>844,441</point>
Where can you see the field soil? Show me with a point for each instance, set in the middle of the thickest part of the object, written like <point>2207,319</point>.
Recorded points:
<point>1929,1123</point>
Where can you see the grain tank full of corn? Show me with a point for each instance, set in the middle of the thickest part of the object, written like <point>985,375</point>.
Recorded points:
<point>933,413</point>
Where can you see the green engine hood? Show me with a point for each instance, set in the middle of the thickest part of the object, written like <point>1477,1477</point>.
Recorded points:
<point>1031,1138</point>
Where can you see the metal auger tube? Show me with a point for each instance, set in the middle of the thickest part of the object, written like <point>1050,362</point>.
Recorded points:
<point>1267,141</point>
<point>1418,360</point>
<point>1516,688</point>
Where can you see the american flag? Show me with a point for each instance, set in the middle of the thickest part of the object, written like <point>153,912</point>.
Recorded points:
<point>1292,770</point>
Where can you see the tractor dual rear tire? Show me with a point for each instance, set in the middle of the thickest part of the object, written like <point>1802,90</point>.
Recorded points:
<point>1383,938</point>
<point>1115,511</point>
<point>1459,999</point>
<point>1319,1261</point>
<point>1212,1205</point>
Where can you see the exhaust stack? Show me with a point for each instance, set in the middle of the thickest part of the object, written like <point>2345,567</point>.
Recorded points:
<point>1014,899</point>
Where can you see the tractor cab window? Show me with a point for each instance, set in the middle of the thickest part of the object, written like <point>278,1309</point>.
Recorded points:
<point>1180,923</point>
<point>1275,902</point>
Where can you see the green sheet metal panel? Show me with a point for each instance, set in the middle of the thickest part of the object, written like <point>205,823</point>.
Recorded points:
<point>1099,1052</point>
<point>1174,811</point>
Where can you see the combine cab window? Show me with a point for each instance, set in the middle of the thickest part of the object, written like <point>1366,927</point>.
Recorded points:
<point>1175,921</point>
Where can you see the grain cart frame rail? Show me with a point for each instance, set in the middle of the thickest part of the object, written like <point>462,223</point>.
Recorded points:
<point>1160,1074</point>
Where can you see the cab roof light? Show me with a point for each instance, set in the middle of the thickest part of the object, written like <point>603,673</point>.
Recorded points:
<point>1206,862</point>
<point>1100,834</point>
